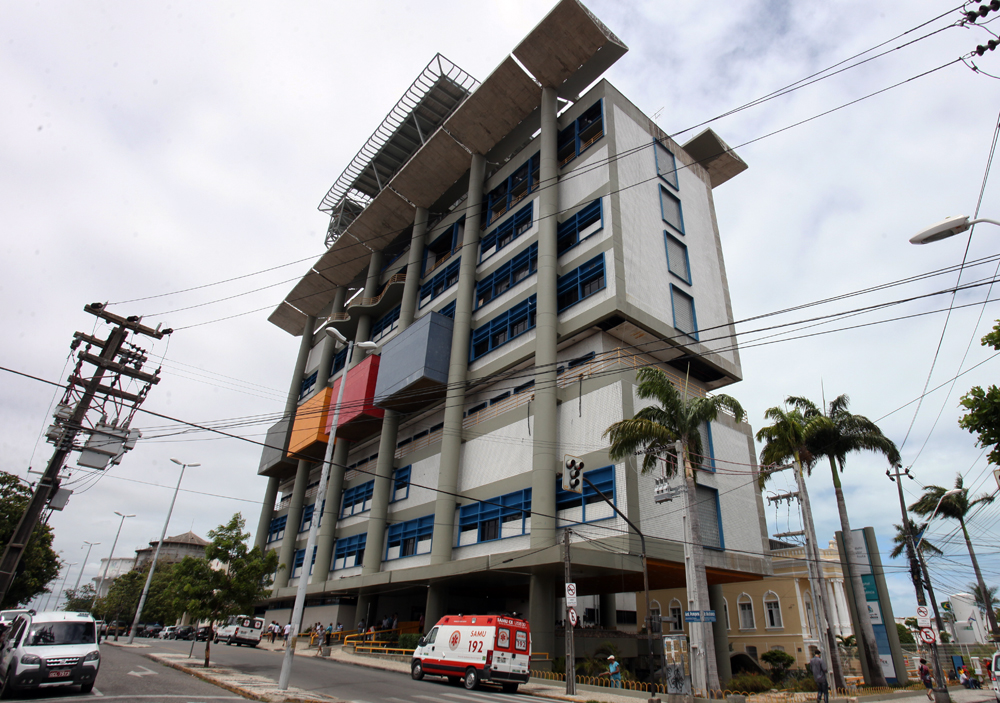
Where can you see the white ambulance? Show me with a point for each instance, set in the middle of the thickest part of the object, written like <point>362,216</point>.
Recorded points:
<point>474,648</point>
<point>241,629</point>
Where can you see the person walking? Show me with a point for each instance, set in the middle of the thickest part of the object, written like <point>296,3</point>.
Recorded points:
<point>924,672</point>
<point>819,670</point>
<point>614,671</point>
<point>288,632</point>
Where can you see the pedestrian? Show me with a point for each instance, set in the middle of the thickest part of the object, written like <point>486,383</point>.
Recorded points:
<point>421,624</point>
<point>925,678</point>
<point>329,633</point>
<point>395,620</point>
<point>818,668</point>
<point>288,632</point>
<point>340,626</point>
<point>361,627</point>
<point>614,672</point>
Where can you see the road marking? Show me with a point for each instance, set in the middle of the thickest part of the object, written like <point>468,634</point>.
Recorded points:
<point>470,696</point>
<point>144,672</point>
<point>133,697</point>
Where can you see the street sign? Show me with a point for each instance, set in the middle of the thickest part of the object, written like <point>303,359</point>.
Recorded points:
<point>572,617</point>
<point>692,616</point>
<point>708,615</point>
<point>927,635</point>
<point>923,611</point>
<point>571,594</point>
<point>923,622</point>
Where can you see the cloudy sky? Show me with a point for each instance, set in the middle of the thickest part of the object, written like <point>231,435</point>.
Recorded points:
<point>146,150</point>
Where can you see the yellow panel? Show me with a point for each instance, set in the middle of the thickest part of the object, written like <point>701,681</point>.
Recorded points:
<point>310,423</point>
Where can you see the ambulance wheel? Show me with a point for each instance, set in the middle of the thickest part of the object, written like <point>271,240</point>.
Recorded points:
<point>471,679</point>
<point>509,687</point>
<point>417,671</point>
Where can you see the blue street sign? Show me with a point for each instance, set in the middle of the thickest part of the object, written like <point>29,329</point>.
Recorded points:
<point>692,616</point>
<point>709,615</point>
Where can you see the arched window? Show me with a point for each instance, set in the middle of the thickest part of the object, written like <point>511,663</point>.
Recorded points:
<point>772,611</point>
<point>725,610</point>
<point>676,616</point>
<point>745,605</point>
<point>810,622</point>
<point>654,615</point>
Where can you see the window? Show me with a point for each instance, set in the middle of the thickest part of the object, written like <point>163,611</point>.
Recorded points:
<point>350,551</point>
<point>449,310</point>
<point>745,606</point>
<point>385,324</point>
<point>666,164</point>
<point>406,539</point>
<point>525,387</point>
<point>670,210</point>
<point>400,483</point>
<point>277,530</point>
<point>442,248</point>
<point>339,360</point>
<point>580,283</point>
<point>578,136</point>
<point>708,517</point>
<point>307,517</point>
<point>655,619</point>
<point>751,651</point>
<point>772,610</point>
<point>810,622</point>
<point>580,360</point>
<point>497,518</point>
<point>677,258</point>
<point>580,226</point>
<point>707,450</point>
<point>476,408</point>
<point>683,307</point>
<point>507,276</point>
<point>300,557</point>
<point>500,398</point>
<point>307,385</point>
<point>725,610</point>
<point>357,499</point>
<point>511,191</point>
<point>502,328</point>
<point>506,233</point>
<point>676,616</point>
<point>440,283</point>
<point>590,504</point>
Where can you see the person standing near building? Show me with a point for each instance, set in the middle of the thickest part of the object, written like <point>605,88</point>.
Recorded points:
<point>818,668</point>
<point>614,671</point>
<point>925,678</point>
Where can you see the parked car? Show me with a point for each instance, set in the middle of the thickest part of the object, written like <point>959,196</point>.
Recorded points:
<point>7,617</point>
<point>203,633</point>
<point>165,633</point>
<point>49,649</point>
<point>184,632</point>
<point>149,630</point>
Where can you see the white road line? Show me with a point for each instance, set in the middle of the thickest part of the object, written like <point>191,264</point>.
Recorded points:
<point>470,696</point>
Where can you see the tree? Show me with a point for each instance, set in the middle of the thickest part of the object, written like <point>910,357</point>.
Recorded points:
<point>779,662</point>
<point>905,636</point>
<point>957,507</point>
<point>39,563</point>
<point>123,596</point>
<point>902,543</point>
<point>981,601</point>
<point>982,415</point>
<point>652,432</point>
<point>834,434</point>
<point>81,600</point>
<point>241,579</point>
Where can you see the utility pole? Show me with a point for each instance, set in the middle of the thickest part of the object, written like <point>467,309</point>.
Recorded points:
<point>71,421</point>
<point>570,620</point>
<point>916,562</point>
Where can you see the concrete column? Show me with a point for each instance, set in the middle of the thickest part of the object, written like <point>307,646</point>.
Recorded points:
<point>545,448</point>
<point>458,369</point>
<point>375,546</point>
<point>542,613</point>
<point>609,611</point>
<point>437,599</point>
<point>716,602</point>
<point>411,287</point>
<point>267,512</point>
<point>367,608</point>
<point>364,332</point>
<point>328,525</point>
<point>329,343</point>
<point>286,555</point>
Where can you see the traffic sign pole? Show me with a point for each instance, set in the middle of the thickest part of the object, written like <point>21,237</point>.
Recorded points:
<point>570,618</point>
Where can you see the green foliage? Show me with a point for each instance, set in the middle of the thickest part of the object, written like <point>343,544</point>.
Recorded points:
<point>598,664</point>
<point>779,663</point>
<point>125,591</point>
<point>911,623</point>
<point>905,636</point>
<point>982,416</point>
<point>849,641</point>
<point>81,600</point>
<point>750,683</point>
<point>945,637</point>
<point>980,599</point>
<point>409,640</point>
<point>39,563</point>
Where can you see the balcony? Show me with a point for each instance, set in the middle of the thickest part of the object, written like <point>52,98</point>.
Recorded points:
<point>415,365</point>
<point>311,429</point>
<point>359,417</point>
<point>274,459</point>
<point>392,294</point>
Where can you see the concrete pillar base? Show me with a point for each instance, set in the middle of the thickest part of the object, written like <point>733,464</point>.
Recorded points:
<point>436,608</point>
<point>542,615</point>
<point>941,695</point>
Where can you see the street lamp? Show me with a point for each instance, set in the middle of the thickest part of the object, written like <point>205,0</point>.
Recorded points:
<point>953,491</point>
<point>948,227</point>
<point>111,556</point>
<point>90,545</point>
<point>156,554</point>
<point>300,591</point>
<point>65,579</point>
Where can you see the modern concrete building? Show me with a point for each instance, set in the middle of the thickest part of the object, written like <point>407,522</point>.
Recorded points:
<point>518,248</point>
<point>174,549</point>
<point>968,624</point>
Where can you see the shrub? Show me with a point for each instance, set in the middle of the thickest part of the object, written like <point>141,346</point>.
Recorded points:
<point>750,683</point>
<point>409,641</point>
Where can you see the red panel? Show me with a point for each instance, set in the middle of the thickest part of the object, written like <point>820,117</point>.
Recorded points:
<point>358,415</point>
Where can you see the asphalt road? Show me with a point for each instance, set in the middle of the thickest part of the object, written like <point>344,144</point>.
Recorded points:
<point>351,683</point>
<point>126,675</point>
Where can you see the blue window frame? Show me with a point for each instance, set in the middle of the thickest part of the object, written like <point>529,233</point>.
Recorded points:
<point>277,530</point>
<point>442,248</point>
<point>507,276</point>
<point>503,328</point>
<point>677,257</point>
<point>580,134</point>
<point>448,310</point>
<point>685,319</point>
<point>525,387</point>
<point>357,499</point>
<point>670,210</point>
<point>385,324</point>
<point>708,460</point>
<point>497,518</point>
<point>580,360</point>
<point>584,223</point>
<point>406,539</point>
<point>709,517</point>
<point>300,557</point>
<point>350,551</point>
<point>307,516</point>
<point>440,283</point>
<point>666,164</point>
<point>506,233</point>
<point>580,283</point>
<point>308,383</point>
<point>604,479</point>
<point>512,190</point>
<point>401,482</point>
<point>339,361</point>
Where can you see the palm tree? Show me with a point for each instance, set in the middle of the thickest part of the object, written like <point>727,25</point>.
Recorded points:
<point>991,597</point>
<point>785,439</point>
<point>653,432</point>
<point>900,541</point>
<point>956,505</point>
<point>835,434</point>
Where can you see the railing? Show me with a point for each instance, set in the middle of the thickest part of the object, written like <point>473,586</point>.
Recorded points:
<point>425,441</point>
<point>396,278</point>
<point>439,263</point>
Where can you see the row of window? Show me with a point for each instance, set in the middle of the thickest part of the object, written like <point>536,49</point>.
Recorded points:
<point>578,136</point>
<point>443,247</point>
<point>581,225</point>
<point>507,276</point>
<point>512,190</point>
<point>440,283</point>
<point>580,283</point>
<point>358,499</point>
<point>385,324</point>
<point>506,233</point>
<point>503,328</point>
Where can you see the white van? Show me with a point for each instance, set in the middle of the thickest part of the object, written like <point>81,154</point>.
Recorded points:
<point>40,650</point>
<point>241,629</point>
<point>476,648</point>
<point>994,667</point>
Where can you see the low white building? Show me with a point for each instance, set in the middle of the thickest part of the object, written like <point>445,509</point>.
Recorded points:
<point>968,626</point>
<point>116,567</point>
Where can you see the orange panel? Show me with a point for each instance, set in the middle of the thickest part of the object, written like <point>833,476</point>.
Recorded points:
<point>311,423</point>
